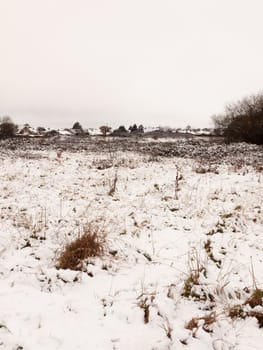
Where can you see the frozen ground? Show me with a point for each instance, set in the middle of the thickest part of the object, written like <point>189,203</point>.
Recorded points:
<point>184,251</point>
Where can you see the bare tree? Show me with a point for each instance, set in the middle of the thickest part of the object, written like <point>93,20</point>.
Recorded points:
<point>104,129</point>
<point>188,128</point>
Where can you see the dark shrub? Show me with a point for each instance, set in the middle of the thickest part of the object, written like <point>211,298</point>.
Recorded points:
<point>242,121</point>
<point>7,128</point>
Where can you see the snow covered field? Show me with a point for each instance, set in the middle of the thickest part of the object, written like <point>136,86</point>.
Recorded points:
<point>182,261</point>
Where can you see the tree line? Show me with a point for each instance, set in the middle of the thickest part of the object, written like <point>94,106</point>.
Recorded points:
<point>242,121</point>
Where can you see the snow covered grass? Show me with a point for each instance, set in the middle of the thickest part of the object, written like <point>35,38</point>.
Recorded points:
<point>181,263</point>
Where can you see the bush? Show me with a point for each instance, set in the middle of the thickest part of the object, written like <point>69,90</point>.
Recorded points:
<point>77,126</point>
<point>91,244</point>
<point>121,131</point>
<point>78,130</point>
<point>242,121</point>
<point>7,128</point>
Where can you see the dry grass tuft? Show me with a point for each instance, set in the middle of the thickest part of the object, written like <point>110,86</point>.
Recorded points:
<point>256,299</point>
<point>192,324</point>
<point>90,244</point>
<point>196,269</point>
<point>259,316</point>
<point>113,185</point>
<point>206,322</point>
<point>145,306</point>
<point>236,311</point>
<point>209,251</point>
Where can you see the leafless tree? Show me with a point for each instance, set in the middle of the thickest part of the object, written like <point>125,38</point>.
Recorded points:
<point>104,129</point>
<point>242,120</point>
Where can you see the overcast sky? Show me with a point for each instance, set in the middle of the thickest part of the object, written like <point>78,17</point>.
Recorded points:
<point>155,62</point>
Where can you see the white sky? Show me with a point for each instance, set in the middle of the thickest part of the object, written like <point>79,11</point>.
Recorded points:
<point>155,62</point>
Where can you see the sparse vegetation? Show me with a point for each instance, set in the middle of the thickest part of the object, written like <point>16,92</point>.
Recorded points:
<point>180,238</point>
